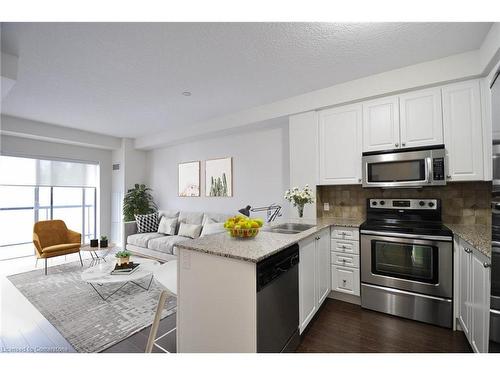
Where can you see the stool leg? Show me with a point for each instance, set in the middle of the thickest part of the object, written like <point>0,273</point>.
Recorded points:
<point>156,322</point>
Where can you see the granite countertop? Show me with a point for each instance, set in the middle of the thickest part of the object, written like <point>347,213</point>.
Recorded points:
<point>264,244</point>
<point>477,235</point>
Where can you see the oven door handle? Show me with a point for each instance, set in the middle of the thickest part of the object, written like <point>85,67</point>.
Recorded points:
<point>404,235</point>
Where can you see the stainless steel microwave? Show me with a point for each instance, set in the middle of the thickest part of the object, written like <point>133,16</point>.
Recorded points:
<point>411,167</point>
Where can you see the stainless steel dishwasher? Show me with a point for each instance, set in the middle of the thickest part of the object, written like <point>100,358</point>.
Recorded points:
<point>278,302</point>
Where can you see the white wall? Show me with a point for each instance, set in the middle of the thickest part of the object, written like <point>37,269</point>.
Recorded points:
<point>16,146</point>
<point>260,170</point>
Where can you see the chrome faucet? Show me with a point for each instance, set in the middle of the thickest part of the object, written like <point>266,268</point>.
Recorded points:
<point>273,211</point>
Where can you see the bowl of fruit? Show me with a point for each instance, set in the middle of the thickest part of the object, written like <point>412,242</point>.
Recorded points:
<point>243,227</point>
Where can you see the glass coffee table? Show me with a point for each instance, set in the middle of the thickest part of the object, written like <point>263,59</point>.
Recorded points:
<point>100,275</point>
<point>99,253</point>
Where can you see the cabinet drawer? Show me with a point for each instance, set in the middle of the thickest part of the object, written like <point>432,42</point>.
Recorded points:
<point>341,246</point>
<point>345,259</point>
<point>345,280</point>
<point>342,233</point>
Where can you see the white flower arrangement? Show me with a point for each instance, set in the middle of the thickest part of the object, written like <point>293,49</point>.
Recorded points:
<point>299,197</point>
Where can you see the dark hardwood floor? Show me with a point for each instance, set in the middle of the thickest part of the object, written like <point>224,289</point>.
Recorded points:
<point>342,327</point>
<point>137,342</point>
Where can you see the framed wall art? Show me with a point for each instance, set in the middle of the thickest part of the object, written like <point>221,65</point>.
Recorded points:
<point>189,179</point>
<point>219,177</point>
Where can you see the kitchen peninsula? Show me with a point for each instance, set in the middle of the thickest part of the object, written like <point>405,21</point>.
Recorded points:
<point>220,307</point>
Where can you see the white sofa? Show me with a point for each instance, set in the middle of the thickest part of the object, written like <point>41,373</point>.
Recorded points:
<point>160,246</point>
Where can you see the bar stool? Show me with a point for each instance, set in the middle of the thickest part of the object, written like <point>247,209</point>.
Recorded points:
<point>166,277</point>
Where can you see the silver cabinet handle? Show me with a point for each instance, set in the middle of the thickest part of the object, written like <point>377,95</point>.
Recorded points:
<point>396,144</point>
<point>343,260</point>
<point>486,265</point>
<point>467,250</point>
<point>448,177</point>
<point>344,281</point>
<point>359,179</point>
<point>403,144</point>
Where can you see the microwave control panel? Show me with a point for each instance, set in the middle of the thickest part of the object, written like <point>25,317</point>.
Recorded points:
<point>438,169</point>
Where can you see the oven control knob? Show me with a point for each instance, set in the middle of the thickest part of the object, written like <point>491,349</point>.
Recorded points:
<point>431,204</point>
<point>374,203</point>
<point>382,203</point>
<point>421,203</point>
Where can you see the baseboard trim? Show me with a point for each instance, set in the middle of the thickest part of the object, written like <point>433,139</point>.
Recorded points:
<point>356,300</point>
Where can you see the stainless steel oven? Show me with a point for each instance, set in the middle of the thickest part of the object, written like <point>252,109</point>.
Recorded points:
<point>414,265</point>
<point>407,260</point>
<point>414,167</point>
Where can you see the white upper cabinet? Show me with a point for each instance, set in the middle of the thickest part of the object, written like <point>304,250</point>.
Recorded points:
<point>463,131</point>
<point>421,120</point>
<point>381,124</point>
<point>340,140</point>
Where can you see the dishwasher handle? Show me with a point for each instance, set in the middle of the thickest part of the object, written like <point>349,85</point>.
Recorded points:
<point>274,267</point>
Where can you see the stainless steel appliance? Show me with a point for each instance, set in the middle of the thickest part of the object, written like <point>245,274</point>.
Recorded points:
<point>411,167</point>
<point>278,302</point>
<point>407,260</point>
<point>494,344</point>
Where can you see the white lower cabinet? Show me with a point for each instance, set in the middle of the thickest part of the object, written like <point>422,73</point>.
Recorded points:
<point>345,260</point>
<point>345,280</point>
<point>473,295</point>
<point>314,275</point>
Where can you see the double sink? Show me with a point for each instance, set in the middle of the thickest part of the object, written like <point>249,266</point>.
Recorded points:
<point>289,228</point>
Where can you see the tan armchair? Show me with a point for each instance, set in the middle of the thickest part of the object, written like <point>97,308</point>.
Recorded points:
<point>52,238</point>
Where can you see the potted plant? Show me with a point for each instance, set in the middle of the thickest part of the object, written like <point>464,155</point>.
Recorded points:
<point>104,241</point>
<point>299,198</point>
<point>122,257</point>
<point>138,201</point>
<point>94,243</point>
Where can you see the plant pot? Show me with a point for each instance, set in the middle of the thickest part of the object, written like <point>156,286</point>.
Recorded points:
<point>104,243</point>
<point>94,243</point>
<point>123,261</point>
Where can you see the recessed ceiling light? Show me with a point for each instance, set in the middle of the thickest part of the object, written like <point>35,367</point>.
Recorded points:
<point>186,93</point>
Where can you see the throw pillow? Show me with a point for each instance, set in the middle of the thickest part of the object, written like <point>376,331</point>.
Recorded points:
<point>212,228</point>
<point>167,225</point>
<point>189,230</point>
<point>147,223</point>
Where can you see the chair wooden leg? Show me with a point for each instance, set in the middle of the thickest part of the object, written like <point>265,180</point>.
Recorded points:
<point>156,322</point>
<point>45,266</point>
<point>36,262</point>
<point>80,255</point>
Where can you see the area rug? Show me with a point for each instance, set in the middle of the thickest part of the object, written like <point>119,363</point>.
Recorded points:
<point>88,323</point>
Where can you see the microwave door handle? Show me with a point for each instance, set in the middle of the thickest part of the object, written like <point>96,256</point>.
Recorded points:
<point>428,177</point>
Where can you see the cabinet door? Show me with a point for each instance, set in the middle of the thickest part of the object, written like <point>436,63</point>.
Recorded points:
<point>303,137</point>
<point>307,281</point>
<point>464,286</point>
<point>463,131</point>
<point>421,120</point>
<point>345,280</point>
<point>323,265</point>
<point>381,124</point>
<point>480,297</point>
<point>340,145</point>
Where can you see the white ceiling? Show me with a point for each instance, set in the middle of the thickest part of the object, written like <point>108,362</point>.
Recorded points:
<point>126,79</point>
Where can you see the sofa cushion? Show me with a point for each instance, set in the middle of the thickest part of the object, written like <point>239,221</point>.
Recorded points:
<point>190,230</point>
<point>189,218</point>
<point>169,214</point>
<point>165,244</point>
<point>147,223</point>
<point>167,225</point>
<point>209,218</point>
<point>212,228</point>
<point>60,247</point>
<point>142,239</point>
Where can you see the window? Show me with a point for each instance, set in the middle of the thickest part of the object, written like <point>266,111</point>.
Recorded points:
<point>32,190</point>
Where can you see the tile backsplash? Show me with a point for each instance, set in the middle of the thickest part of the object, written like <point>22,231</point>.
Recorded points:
<point>462,202</point>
